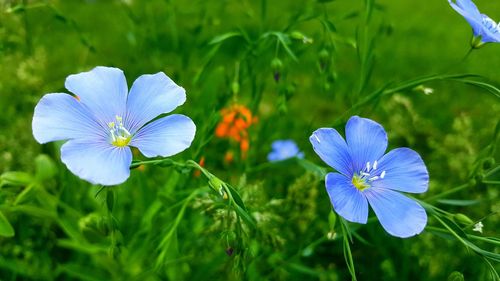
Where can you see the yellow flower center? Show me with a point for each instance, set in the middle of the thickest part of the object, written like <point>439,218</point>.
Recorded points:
<point>359,183</point>
<point>119,136</point>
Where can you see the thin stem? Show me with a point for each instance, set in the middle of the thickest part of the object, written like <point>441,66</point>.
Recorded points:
<point>470,236</point>
<point>446,193</point>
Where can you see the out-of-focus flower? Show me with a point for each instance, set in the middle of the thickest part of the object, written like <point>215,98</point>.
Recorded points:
<point>103,120</point>
<point>424,90</point>
<point>234,125</point>
<point>484,28</point>
<point>284,149</point>
<point>478,227</point>
<point>229,157</point>
<point>366,175</point>
<point>197,173</point>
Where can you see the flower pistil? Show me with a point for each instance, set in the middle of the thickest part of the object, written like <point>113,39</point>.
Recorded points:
<point>119,135</point>
<point>362,179</point>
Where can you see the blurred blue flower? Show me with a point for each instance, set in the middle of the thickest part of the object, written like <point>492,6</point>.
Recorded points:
<point>284,149</point>
<point>103,120</point>
<point>485,29</point>
<point>366,175</point>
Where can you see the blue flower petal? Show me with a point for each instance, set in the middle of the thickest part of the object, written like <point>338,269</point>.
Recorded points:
<point>103,90</point>
<point>366,139</point>
<point>399,215</point>
<point>166,136</point>
<point>332,149</point>
<point>150,96</point>
<point>346,199</point>
<point>468,6</point>
<point>273,156</point>
<point>284,149</point>
<point>490,31</point>
<point>473,17</point>
<point>97,162</point>
<point>481,24</point>
<point>404,171</point>
<point>61,117</point>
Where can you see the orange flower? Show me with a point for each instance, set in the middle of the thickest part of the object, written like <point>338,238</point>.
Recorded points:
<point>234,124</point>
<point>228,158</point>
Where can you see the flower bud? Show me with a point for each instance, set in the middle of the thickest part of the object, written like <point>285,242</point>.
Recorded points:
<point>215,184</point>
<point>462,219</point>
<point>456,276</point>
<point>476,42</point>
<point>323,58</point>
<point>297,35</point>
<point>235,87</point>
<point>276,66</point>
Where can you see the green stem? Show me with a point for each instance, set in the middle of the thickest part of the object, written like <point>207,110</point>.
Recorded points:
<point>446,193</point>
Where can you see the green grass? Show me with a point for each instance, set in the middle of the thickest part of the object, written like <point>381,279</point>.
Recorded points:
<point>166,224</point>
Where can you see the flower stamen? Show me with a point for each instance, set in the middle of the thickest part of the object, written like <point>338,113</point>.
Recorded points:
<point>119,135</point>
<point>368,174</point>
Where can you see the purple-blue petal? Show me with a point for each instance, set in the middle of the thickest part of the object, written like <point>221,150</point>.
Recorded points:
<point>347,200</point>
<point>150,96</point>
<point>284,149</point>
<point>103,90</point>
<point>481,24</point>
<point>273,156</point>
<point>166,136</point>
<point>366,139</point>
<point>404,171</point>
<point>399,215</point>
<point>471,16</point>
<point>97,162</point>
<point>332,149</point>
<point>490,31</point>
<point>468,6</point>
<point>61,117</point>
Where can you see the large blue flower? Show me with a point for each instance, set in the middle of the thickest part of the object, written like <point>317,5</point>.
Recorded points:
<point>366,175</point>
<point>284,149</point>
<point>483,26</point>
<point>103,119</point>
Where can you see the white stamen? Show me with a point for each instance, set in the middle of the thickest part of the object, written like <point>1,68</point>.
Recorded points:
<point>368,166</point>
<point>125,130</point>
<point>373,178</point>
<point>365,174</point>
<point>382,175</point>
<point>375,165</point>
<point>119,135</point>
<point>317,138</point>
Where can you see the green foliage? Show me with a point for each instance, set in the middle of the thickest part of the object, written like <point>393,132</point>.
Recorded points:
<point>298,66</point>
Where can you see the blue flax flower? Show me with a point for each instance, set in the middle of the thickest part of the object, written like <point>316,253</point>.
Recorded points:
<point>102,120</point>
<point>366,175</point>
<point>485,29</point>
<point>284,149</point>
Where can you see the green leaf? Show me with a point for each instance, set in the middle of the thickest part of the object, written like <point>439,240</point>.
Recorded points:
<point>224,37</point>
<point>488,87</point>
<point>458,202</point>
<point>236,196</point>
<point>6,229</point>
<point>240,207</point>
<point>25,195</point>
<point>311,167</point>
<point>15,178</point>
<point>45,167</point>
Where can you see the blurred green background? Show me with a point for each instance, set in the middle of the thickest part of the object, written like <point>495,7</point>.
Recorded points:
<point>221,52</point>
